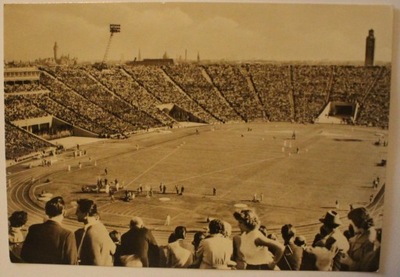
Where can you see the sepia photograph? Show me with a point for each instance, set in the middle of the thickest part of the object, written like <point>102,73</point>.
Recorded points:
<point>188,136</point>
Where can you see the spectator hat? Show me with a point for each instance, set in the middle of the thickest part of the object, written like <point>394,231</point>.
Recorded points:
<point>331,219</point>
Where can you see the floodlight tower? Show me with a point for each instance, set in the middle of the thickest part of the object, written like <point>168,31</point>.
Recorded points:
<point>114,28</point>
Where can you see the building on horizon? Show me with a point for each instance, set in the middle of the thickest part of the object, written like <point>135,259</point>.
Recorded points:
<point>370,48</point>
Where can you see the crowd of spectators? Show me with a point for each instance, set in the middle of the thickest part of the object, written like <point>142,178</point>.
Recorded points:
<point>250,248</point>
<point>350,83</point>
<point>154,80</point>
<point>10,87</point>
<point>119,82</point>
<point>233,84</point>
<point>125,99</point>
<point>20,142</point>
<point>18,107</point>
<point>374,110</point>
<point>190,78</point>
<point>78,79</point>
<point>64,95</point>
<point>272,83</point>
<point>310,90</point>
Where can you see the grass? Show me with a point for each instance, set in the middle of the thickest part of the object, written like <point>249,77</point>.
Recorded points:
<point>333,162</point>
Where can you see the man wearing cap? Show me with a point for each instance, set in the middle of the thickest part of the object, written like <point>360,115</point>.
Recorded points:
<point>332,238</point>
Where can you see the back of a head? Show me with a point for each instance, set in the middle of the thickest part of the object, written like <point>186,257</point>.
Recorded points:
<point>216,226</point>
<point>197,238</point>
<point>136,222</point>
<point>361,218</point>
<point>55,206</point>
<point>18,218</point>
<point>249,218</point>
<point>115,236</point>
<point>87,206</point>
<point>180,232</point>
<point>288,232</point>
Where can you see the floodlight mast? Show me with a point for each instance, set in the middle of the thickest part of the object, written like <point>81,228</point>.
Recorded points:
<point>114,28</point>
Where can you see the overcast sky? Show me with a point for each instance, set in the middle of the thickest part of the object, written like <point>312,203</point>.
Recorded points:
<point>235,31</point>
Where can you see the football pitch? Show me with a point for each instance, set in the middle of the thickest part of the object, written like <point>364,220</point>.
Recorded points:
<point>256,165</point>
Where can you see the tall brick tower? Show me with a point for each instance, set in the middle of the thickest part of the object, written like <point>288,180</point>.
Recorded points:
<point>370,48</point>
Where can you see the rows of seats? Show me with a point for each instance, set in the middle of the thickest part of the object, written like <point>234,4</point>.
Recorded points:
<point>61,93</point>
<point>190,79</point>
<point>351,82</point>
<point>120,83</point>
<point>154,80</point>
<point>374,110</point>
<point>232,83</point>
<point>22,87</point>
<point>126,99</point>
<point>17,107</point>
<point>272,83</point>
<point>78,79</point>
<point>311,86</point>
<point>20,143</point>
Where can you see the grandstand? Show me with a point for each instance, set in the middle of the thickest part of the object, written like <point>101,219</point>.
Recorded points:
<point>123,100</point>
<point>239,119</point>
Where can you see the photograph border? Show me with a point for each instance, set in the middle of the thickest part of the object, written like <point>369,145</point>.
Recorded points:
<point>390,265</point>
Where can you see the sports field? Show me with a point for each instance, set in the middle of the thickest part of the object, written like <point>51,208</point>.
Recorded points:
<point>294,180</point>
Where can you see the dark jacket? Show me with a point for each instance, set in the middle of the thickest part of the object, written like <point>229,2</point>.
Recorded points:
<point>49,243</point>
<point>141,242</point>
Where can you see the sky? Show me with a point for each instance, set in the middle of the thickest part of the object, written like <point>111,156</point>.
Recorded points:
<point>217,31</point>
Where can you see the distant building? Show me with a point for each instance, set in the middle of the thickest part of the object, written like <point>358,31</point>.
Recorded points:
<point>370,49</point>
<point>158,62</point>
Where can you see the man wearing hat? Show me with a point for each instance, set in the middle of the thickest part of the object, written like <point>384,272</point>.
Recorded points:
<point>332,238</point>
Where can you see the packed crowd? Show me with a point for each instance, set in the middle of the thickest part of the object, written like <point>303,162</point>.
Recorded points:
<point>78,79</point>
<point>272,83</point>
<point>66,96</point>
<point>350,83</point>
<point>118,81</point>
<point>123,100</point>
<point>252,248</point>
<point>310,91</point>
<point>156,82</point>
<point>18,107</point>
<point>20,142</point>
<point>233,84</point>
<point>374,110</point>
<point>190,78</point>
<point>22,87</point>
<point>223,92</point>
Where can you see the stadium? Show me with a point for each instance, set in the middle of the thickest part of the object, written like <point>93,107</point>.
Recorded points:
<point>200,145</point>
<point>232,129</point>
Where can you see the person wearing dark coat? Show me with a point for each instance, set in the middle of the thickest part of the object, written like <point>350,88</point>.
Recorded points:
<point>49,242</point>
<point>293,254</point>
<point>139,241</point>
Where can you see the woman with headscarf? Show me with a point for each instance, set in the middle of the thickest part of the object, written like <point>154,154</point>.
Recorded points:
<point>252,248</point>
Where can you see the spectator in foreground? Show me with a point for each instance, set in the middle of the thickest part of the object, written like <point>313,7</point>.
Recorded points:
<point>49,242</point>
<point>293,254</point>
<point>362,243</point>
<point>16,236</point>
<point>252,247</point>
<point>95,247</point>
<point>139,241</point>
<point>215,250</point>
<point>179,252</point>
<point>331,237</point>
